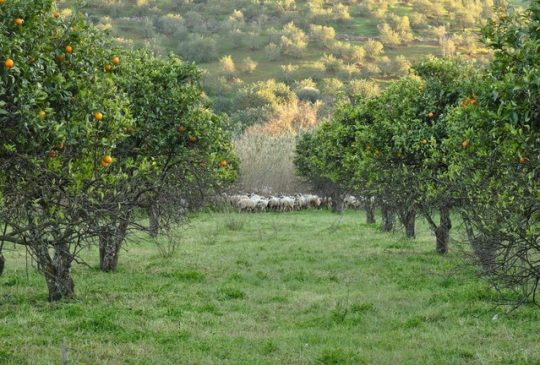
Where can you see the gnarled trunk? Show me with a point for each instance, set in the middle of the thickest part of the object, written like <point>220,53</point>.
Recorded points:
<point>370,211</point>
<point>110,243</point>
<point>442,232</point>
<point>57,270</point>
<point>407,217</point>
<point>484,250</point>
<point>153,217</point>
<point>338,204</point>
<point>387,218</point>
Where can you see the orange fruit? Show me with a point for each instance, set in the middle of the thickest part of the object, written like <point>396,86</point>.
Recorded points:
<point>98,116</point>
<point>42,114</point>
<point>57,14</point>
<point>522,160</point>
<point>2,2</point>
<point>53,154</point>
<point>107,67</point>
<point>466,143</point>
<point>69,49</point>
<point>431,115</point>
<point>60,58</point>
<point>223,163</point>
<point>107,159</point>
<point>104,164</point>
<point>116,60</point>
<point>19,21</point>
<point>9,63</point>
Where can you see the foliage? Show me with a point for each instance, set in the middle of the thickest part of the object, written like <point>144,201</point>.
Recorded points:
<point>60,117</point>
<point>90,133</point>
<point>498,173</point>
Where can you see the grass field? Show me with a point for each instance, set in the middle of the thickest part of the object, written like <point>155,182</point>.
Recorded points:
<point>295,288</point>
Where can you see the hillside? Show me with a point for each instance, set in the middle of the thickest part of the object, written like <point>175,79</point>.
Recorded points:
<point>317,48</point>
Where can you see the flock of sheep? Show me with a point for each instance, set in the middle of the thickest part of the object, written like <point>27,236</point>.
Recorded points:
<point>284,203</point>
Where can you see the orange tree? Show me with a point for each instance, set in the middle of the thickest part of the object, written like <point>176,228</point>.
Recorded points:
<point>323,157</point>
<point>402,152</point>
<point>177,154</point>
<point>494,157</point>
<point>59,117</point>
<point>319,160</point>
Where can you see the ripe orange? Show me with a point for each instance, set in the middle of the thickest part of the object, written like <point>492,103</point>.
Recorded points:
<point>223,163</point>
<point>53,154</point>
<point>42,114</point>
<point>98,116</point>
<point>9,63</point>
<point>107,159</point>
<point>104,164</point>
<point>466,143</point>
<point>116,60</point>
<point>19,21</point>
<point>57,14</point>
<point>107,67</point>
<point>2,2</point>
<point>69,49</point>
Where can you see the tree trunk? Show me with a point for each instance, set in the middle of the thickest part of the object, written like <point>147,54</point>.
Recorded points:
<point>57,271</point>
<point>370,211</point>
<point>442,232</point>
<point>153,217</point>
<point>484,251</point>
<point>2,264</point>
<point>408,219</point>
<point>387,218</point>
<point>338,204</point>
<point>110,243</point>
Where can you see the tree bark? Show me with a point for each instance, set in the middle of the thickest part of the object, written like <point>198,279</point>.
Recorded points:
<point>110,243</point>
<point>153,217</point>
<point>2,264</point>
<point>387,218</point>
<point>442,232</point>
<point>338,204</point>
<point>484,251</point>
<point>370,211</point>
<point>408,219</point>
<point>57,270</point>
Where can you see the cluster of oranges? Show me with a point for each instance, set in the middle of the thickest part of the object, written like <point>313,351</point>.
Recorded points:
<point>115,61</point>
<point>106,161</point>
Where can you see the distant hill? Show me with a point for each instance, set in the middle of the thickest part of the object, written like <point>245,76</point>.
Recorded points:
<point>317,48</point>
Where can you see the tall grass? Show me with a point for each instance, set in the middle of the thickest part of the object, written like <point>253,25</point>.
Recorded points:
<point>266,163</point>
<point>266,151</point>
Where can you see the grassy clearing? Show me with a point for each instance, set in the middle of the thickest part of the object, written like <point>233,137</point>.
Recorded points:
<point>296,288</point>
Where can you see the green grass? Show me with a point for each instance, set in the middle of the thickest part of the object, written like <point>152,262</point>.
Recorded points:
<point>295,288</point>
